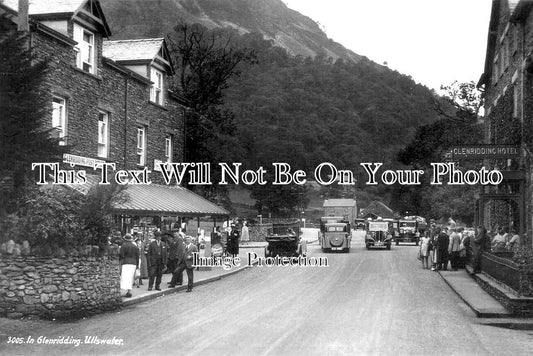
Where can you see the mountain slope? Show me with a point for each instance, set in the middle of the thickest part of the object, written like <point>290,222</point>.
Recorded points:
<point>289,29</point>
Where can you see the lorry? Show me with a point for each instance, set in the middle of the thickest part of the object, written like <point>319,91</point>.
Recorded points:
<point>410,228</point>
<point>347,208</point>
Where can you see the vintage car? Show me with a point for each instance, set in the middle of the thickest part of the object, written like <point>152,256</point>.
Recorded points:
<point>410,229</point>
<point>284,240</point>
<point>377,234</point>
<point>335,235</point>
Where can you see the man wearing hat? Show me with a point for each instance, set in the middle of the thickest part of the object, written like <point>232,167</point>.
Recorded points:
<point>157,260</point>
<point>129,261</point>
<point>187,265</point>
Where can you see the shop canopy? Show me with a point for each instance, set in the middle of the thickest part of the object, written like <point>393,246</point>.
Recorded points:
<point>154,199</point>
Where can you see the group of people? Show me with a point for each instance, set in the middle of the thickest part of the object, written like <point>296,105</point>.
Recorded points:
<point>235,234</point>
<point>151,258</point>
<point>443,246</point>
<point>505,240</point>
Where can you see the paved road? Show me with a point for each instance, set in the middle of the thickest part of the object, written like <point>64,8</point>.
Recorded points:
<point>365,302</point>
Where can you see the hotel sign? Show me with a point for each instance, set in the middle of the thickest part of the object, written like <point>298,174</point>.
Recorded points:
<point>480,152</point>
<point>81,161</point>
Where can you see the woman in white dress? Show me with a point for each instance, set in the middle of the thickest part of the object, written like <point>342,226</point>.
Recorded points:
<point>424,250</point>
<point>245,235</point>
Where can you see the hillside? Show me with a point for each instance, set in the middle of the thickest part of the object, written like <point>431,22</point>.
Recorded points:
<point>289,29</point>
<point>326,104</point>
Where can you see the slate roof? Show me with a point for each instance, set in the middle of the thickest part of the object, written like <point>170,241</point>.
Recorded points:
<point>339,202</point>
<point>154,199</point>
<point>124,50</point>
<point>38,7</point>
<point>377,208</point>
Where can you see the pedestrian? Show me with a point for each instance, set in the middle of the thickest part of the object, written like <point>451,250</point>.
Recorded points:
<point>129,261</point>
<point>442,254</point>
<point>187,264</point>
<point>482,243</point>
<point>454,247</point>
<point>464,249</point>
<point>157,260</point>
<point>143,263</point>
<point>424,250</point>
<point>172,253</point>
<point>245,235</point>
<point>233,241</point>
<point>178,254</point>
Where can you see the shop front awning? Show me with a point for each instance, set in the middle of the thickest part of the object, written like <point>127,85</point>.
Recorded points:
<point>158,200</point>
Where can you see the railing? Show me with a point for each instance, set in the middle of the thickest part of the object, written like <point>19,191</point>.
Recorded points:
<point>501,269</point>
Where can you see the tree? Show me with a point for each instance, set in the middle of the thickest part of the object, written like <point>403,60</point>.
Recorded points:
<point>459,112</point>
<point>24,130</point>
<point>206,60</point>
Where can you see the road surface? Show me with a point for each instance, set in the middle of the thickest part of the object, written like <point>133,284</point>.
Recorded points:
<point>364,302</point>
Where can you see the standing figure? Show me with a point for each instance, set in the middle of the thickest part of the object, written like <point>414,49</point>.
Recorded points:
<point>233,241</point>
<point>129,260</point>
<point>178,254</point>
<point>454,248</point>
<point>190,249</point>
<point>172,254</point>
<point>424,250</point>
<point>157,260</point>
<point>442,254</point>
<point>482,243</point>
<point>245,235</point>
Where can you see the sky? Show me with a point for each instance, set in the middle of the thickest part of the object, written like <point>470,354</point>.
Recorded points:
<point>434,41</point>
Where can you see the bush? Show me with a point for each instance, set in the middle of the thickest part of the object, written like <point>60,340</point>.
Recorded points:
<point>48,217</point>
<point>54,218</point>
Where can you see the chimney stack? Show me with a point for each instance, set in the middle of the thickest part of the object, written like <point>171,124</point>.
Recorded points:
<point>22,23</point>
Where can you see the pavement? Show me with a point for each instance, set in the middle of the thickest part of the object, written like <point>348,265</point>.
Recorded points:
<point>202,275</point>
<point>205,274</point>
<point>481,302</point>
<point>488,310</point>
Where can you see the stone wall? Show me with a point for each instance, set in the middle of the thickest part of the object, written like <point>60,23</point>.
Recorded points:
<point>116,91</point>
<point>519,306</point>
<point>58,288</point>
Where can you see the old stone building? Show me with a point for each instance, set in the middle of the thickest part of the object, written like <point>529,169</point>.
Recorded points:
<point>507,83</point>
<point>109,100</point>
<point>110,103</point>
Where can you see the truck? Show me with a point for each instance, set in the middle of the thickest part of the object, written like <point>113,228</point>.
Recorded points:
<point>347,208</point>
<point>410,228</point>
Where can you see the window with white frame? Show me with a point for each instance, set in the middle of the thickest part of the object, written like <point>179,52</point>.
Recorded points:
<point>85,57</point>
<point>59,119</point>
<point>141,146</point>
<point>168,148</point>
<point>156,92</point>
<point>103,134</point>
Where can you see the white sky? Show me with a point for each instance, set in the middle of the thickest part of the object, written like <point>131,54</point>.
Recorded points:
<point>433,41</point>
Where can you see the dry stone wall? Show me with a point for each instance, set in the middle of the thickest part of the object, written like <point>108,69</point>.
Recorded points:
<point>58,288</point>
